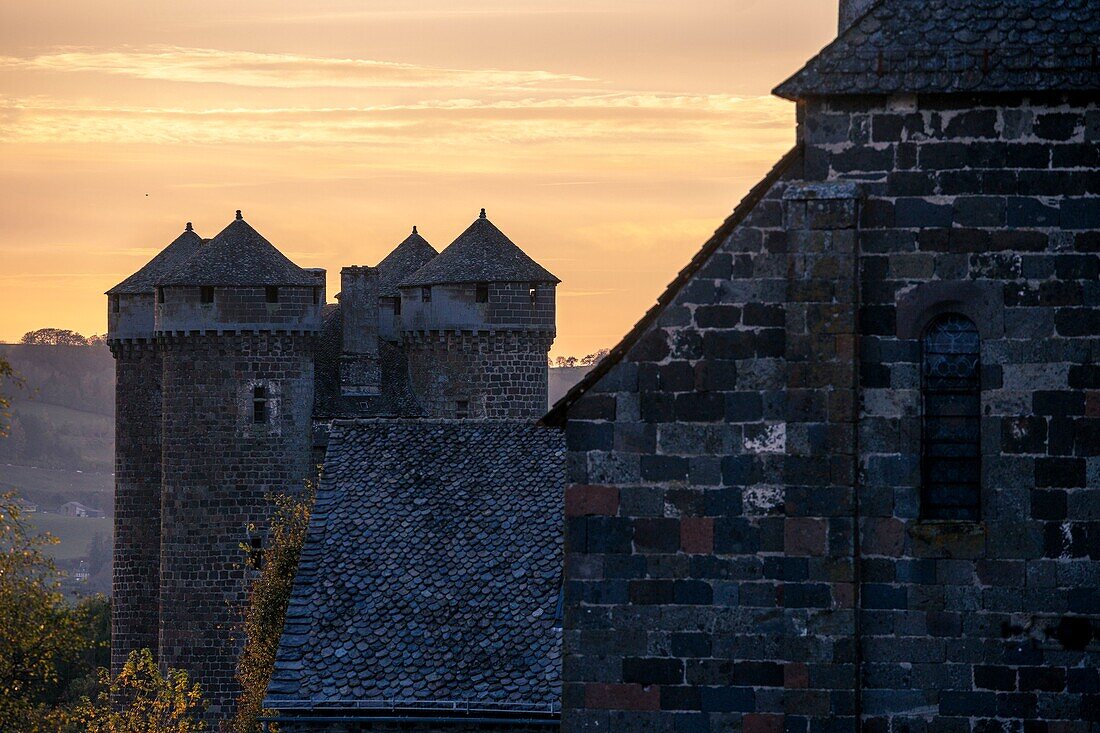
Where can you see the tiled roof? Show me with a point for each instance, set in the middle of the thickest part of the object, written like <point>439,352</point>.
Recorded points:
<point>558,412</point>
<point>405,259</point>
<point>430,572</point>
<point>942,46</point>
<point>168,259</point>
<point>482,253</point>
<point>395,396</point>
<point>239,255</point>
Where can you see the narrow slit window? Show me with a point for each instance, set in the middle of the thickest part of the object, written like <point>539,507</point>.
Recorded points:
<point>271,292</point>
<point>534,293</point>
<point>259,404</point>
<point>206,294</point>
<point>462,409</point>
<point>482,293</point>
<point>426,295</point>
<point>256,553</point>
<point>316,296</point>
<point>160,295</point>
<point>951,462</point>
<point>397,306</point>
<point>116,304</point>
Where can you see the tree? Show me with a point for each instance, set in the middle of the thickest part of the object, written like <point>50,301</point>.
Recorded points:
<point>154,703</point>
<point>268,601</point>
<point>7,374</point>
<point>592,359</point>
<point>54,337</point>
<point>37,631</point>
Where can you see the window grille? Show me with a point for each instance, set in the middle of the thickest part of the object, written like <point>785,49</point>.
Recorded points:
<point>259,404</point>
<point>951,462</point>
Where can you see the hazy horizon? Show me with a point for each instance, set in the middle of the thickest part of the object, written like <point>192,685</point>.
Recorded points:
<point>608,139</point>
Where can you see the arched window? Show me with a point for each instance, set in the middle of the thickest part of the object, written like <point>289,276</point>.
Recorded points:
<point>951,462</point>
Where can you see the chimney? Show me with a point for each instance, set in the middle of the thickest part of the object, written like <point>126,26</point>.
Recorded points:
<point>359,368</point>
<point>851,11</point>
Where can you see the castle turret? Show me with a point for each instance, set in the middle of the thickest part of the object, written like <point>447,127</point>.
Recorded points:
<point>135,613</point>
<point>359,368</point>
<point>237,325</point>
<point>405,259</point>
<point>477,322</point>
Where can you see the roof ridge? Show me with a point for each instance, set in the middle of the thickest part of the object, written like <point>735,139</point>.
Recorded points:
<point>555,417</point>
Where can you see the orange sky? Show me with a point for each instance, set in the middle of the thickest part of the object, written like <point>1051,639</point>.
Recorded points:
<point>608,138</point>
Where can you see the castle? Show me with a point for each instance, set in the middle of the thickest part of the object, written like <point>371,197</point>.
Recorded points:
<point>843,476</point>
<point>230,367</point>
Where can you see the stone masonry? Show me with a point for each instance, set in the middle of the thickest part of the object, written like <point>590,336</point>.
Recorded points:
<point>746,547</point>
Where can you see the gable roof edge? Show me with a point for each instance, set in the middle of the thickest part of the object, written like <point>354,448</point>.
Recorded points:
<point>783,90</point>
<point>556,416</point>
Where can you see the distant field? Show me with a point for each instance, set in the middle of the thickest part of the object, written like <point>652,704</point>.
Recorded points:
<point>52,487</point>
<point>75,533</point>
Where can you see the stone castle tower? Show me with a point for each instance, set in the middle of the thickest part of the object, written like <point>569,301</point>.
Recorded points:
<point>227,359</point>
<point>477,323</point>
<point>222,352</point>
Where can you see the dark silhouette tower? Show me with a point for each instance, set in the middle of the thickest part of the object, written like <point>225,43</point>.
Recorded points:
<point>135,615</point>
<point>237,326</point>
<point>477,323</point>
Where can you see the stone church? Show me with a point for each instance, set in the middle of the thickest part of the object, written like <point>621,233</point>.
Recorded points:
<point>843,476</point>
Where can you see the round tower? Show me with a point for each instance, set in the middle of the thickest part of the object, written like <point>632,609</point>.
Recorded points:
<point>236,325</point>
<point>477,323</point>
<point>135,615</point>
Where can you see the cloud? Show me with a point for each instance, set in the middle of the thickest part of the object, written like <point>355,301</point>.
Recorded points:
<point>621,121</point>
<point>275,70</point>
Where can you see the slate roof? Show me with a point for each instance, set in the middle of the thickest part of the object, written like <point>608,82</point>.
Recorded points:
<point>943,46</point>
<point>559,411</point>
<point>168,259</point>
<point>395,396</point>
<point>430,572</point>
<point>405,259</point>
<point>239,255</point>
<point>482,253</point>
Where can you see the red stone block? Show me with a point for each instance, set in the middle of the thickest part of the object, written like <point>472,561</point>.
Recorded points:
<point>697,535</point>
<point>761,723</point>
<point>796,676</point>
<point>584,499</point>
<point>1092,403</point>
<point>607,696</point>
<point>883,536</point>
<point>804,536</point>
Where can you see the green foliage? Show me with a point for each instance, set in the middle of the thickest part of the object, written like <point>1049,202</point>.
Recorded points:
<point>269,597</point>
<point>153,703</point>
<point>38,632</point>
<point>55,337</point>
<point>8,375</point>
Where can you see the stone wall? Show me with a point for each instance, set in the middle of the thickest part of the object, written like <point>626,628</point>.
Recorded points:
<point>676,612</point>
<point>219,470</point>
<point>497,374</point>
<point>135,613</point>
<point>239,308</point>
<point>765,423</point>
<point>365,725</point>
<point>991,208</point>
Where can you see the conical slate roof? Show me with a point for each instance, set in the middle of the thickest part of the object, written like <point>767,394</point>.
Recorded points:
<point>239,255</point>
<point>405,259</point>
<point>480,254</point>
<point>145,280</point>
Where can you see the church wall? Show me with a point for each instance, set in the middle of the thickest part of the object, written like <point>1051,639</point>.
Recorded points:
<point>712,579</point>
<point>989,207</point>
